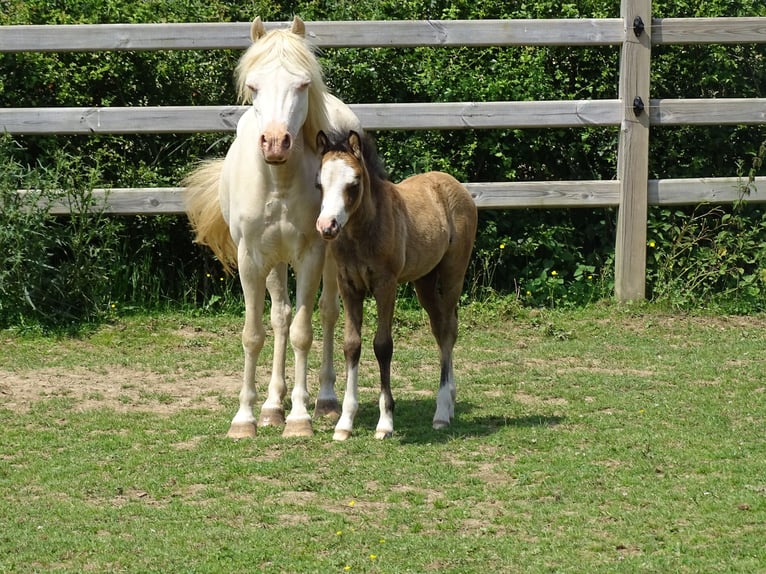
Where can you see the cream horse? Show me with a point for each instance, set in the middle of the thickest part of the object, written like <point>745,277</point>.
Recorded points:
<point>257,208</point>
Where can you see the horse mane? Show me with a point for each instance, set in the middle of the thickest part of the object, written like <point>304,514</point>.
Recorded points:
<point>284,48</point>
<point>338,141</point>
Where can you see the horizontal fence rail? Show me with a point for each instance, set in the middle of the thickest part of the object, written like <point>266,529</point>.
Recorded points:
<point>421,116</point>
<point>635,44</point>
<point>493,195</point>
<point>377,34</point>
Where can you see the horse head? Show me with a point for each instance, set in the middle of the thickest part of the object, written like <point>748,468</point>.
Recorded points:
<point>280,76</point>
<point>343,179</point>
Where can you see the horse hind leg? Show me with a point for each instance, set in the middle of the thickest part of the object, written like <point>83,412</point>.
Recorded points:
<point>327,401</point>
<point>440,302</point>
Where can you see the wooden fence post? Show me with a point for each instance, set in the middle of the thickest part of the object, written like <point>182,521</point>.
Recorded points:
<point>633,151</point>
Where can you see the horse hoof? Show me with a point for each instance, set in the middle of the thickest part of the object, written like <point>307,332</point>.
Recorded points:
<point>271,418</point>
<point>241,430</point>
<point>383,434</point>
<point>341,435</point>
<point>327,408</point>
<point>438,425</point>
<point>296,428</point>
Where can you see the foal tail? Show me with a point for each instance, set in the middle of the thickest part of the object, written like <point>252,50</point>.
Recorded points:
<point>204,210</point>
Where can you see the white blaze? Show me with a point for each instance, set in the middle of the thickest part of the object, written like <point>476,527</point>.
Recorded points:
<point>335,176</point>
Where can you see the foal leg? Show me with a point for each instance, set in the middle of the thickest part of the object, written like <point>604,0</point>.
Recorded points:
<point>329,308</point>
<point>253,335</point>
<point>440,301</point>
<point>272,411</point>
<point>353,305</point>
<point>308,273</point>
<point>385,297</point>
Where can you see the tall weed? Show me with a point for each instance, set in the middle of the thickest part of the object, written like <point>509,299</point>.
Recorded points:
<point>55,271</point>
<point>711,255</point>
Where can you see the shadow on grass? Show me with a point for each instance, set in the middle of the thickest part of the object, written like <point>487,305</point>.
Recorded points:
<point>413,416</point>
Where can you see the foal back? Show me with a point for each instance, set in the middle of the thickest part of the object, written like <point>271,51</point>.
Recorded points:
<point>436,224</point>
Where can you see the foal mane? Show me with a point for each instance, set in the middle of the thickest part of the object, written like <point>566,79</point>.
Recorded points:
<point>337,141</point>
<point>282,47</point>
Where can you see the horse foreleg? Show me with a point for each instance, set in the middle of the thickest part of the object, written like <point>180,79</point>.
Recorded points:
<point>272,411</point>
<point>329,308</point>
<point>353,305</point>
<point>307,274</point>
<point>383,345</point>
<point>243,424</point>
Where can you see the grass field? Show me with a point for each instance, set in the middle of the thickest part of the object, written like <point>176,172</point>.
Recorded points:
<point>610,439</point>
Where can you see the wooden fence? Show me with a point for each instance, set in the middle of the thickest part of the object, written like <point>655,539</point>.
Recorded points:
<point>635,32</point>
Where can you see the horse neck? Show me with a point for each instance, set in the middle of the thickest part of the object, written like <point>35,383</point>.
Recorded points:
<point>375,203</point>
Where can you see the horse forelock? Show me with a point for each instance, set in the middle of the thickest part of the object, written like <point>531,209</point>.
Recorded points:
<point>337,141</point>
<point>296,55</point>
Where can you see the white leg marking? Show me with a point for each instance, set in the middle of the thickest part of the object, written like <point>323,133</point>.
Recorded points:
<point>350,405</point>
<point>385,426</point>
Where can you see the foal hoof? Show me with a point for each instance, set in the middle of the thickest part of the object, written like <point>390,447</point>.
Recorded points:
<point>296,428</point>
<point>383,434</point>
<point>241,430</point>
<point>271,418</point>
<point>341,435</point>
<point>327,408</point>
<point>438,425</point>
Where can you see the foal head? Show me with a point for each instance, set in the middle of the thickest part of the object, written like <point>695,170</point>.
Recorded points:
<point>343,180</point>
<point>282,78</point>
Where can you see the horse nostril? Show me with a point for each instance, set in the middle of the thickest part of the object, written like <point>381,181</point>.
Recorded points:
<point>287,142</point>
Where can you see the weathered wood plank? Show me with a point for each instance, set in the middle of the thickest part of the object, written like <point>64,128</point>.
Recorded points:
<point>708,30</point>
<point>536,194</point>
<point>131,201</point>
<point>710,111</point>
<point>390,33</point>
<point>195,119</point>
<point>469,115</point>
<point>633,154</point>
<point>703,190</point>
<point>449,115</point>
<point>486,195</point>
<point>119,120</point>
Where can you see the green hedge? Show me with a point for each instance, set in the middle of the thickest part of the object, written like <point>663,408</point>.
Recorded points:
<point>546,257</point>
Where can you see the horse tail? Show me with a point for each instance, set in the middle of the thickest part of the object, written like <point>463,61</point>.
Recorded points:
<point>204,210</point>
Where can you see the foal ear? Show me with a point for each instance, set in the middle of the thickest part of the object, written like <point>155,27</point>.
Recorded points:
<point>355,143</point>
<point>257,29</point>
<point>298,27</point>
<point>322,142</point>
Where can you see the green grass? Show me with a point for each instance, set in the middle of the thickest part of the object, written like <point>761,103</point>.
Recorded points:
<point>599,440</point>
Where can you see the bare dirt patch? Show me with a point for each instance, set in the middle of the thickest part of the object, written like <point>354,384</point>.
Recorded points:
<point>119,388</point>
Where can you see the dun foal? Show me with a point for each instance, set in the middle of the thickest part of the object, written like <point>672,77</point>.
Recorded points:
<point>381,234</point>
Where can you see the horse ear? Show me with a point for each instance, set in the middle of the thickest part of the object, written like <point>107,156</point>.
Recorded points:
<point>355,143</point>
<point>257,30</point>
<point>298,27</point>
<point>322,142</point>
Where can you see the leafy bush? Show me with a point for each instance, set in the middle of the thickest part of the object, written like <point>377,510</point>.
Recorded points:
<point>559,257</point>
<point>55,272</point>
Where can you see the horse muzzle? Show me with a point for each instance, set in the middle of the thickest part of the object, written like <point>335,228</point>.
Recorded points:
<point>328,227</point>
<point>276,146</point>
